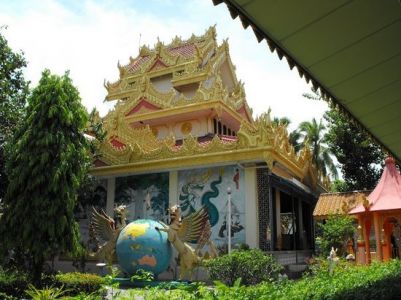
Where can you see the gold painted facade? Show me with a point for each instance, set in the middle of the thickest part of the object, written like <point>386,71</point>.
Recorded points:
<point>199,62</point>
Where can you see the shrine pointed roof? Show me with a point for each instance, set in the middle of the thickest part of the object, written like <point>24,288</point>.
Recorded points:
<point>387,194</point>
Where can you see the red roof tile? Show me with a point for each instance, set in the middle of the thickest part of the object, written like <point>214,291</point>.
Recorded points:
<point>185,50</point>
<point>136,64</point>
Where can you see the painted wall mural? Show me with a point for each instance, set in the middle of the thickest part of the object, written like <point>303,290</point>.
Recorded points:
<point>145,195</point>
<point>208,187</point>
<point>83,212</point>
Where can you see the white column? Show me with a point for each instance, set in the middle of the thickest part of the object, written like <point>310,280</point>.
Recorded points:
<point>111,188</point>
<point>251,215</point>
<point>173,188</point>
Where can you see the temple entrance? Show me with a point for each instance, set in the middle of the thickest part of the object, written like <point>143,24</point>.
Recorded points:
<point>288,223</point>
<point>395,238</point>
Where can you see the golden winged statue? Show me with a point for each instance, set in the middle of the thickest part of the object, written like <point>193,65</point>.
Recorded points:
<point>105,232</point>
<point>194,228</point>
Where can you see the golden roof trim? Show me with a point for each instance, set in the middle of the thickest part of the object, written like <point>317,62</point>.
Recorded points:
<point>338,203</point>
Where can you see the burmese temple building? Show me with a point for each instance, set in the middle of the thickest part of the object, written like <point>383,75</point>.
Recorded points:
<point>181,132</point>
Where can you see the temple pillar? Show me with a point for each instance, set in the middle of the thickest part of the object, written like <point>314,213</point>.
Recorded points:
<point>111,189</point>
<point>376,222</point>
<point>300,226</point>
<point>366,234</point>
<point>360,254</point>
<point>173,188</point>
<point>278,221</point>
<point>386,241</point>
<point>251,219</point>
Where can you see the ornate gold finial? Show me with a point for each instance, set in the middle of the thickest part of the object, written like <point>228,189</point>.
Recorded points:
<point>365,202</point>
<point>144,84</point>
<point>345,207</point>
<point>158,47</point>
<point>144,51</point>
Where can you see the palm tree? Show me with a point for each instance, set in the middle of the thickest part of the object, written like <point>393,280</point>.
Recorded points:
<point>313,134</point>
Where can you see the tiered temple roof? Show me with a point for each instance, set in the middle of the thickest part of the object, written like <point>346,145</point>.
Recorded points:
<point>181,105</point>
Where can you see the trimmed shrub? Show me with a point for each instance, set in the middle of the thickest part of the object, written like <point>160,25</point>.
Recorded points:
<point>252,266</point>
<point>80,282</point>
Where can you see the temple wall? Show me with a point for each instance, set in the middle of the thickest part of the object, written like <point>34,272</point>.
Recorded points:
<point>163,83</point>
<point>146,196</point>
<point>251,214</point>
<point>198,128</point>
<point>208,187</point>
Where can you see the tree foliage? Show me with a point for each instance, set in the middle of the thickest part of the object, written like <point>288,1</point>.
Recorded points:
<point>335,232</point>
<point>359,157</point>
<point>46,165</point>
<point>13,91</point>
<point>314,136</point>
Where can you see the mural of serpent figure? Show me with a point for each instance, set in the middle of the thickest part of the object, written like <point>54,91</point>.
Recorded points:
<point>214,193</point>
<point>190,193</point>
<point>188,197</point>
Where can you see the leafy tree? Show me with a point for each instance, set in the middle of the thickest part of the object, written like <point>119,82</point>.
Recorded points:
<point>46,166</point>
<point>313,134</point>
<point>339,186</point>
<point>359,157</point>
<point>335,232</point>
<point>13,91</point>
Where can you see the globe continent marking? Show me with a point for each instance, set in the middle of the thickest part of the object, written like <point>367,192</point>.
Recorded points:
<point>141,246</point>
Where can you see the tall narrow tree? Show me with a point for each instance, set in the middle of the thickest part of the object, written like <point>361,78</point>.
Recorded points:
<point>47,163</point>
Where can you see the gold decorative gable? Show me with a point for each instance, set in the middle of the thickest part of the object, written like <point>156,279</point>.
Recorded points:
<point>150,88</point>
<point>197,60</point>
<point>260,140</point>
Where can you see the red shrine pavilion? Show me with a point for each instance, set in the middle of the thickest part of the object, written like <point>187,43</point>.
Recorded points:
<point>383,208</point>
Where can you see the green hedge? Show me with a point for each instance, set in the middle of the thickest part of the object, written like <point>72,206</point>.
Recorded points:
<point>252,266</point>
<point>80,282</point>
<point>378,281</point>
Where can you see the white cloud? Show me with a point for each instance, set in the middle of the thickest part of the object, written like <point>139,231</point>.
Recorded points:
<point>89,38</point>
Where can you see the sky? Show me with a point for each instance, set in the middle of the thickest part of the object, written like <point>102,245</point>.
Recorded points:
<point>89,38</point>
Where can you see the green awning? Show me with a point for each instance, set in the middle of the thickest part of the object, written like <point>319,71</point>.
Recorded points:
<point>350,50</point>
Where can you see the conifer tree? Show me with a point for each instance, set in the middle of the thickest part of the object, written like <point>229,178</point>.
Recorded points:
<point>47,163</point>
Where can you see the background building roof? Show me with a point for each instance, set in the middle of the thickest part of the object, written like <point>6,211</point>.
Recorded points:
<point>337,203</point>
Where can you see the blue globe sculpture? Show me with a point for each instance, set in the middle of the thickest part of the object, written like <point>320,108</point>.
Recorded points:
<point>141,246</point>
